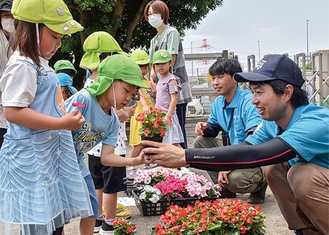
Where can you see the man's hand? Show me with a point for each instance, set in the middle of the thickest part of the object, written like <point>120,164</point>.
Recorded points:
<point>166,155</point>
<point>200,127</point>
<point>222,178</point>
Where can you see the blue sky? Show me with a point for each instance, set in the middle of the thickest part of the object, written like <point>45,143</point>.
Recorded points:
<point>262,27</point>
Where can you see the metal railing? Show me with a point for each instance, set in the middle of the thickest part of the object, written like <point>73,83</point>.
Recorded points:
<point>316,79</point>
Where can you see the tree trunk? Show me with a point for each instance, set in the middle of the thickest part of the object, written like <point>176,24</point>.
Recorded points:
<point>117,15</point>
<point>132,25</point>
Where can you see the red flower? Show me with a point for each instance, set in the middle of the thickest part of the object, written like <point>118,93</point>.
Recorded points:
<point>228,216</point>
<point>123,227</point>
<point>154,122</point>
<point>156,125</point>
<point>147,132</point>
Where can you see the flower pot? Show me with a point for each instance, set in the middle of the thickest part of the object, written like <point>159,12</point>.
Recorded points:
<point>148,208</point>
<point>155,138</point>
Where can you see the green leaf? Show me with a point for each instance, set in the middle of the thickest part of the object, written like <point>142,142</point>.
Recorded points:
<point>121,23</point>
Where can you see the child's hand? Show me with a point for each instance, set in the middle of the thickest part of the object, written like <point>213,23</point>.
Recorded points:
<point>153,92</point>
<point>122,115</point>
<point>153,78</point>
<point>73,121</point>
<point>168,120</point>
<point>146,109</point>
<point>141,159</point>
<point>131,109</point>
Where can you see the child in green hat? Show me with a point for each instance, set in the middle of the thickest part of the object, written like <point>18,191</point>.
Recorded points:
<point>118,80</point>
<point>41,185</point>
<point>167,90</point>
<point>65,66</point>
<point>98,46</point>
<point>144,103</point>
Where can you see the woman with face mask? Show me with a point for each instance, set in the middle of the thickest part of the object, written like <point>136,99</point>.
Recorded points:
<point>6,29</point>
<point>156,13</point>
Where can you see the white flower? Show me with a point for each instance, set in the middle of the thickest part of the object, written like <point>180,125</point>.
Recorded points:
<point>142,196</point>
<point>155,198</point>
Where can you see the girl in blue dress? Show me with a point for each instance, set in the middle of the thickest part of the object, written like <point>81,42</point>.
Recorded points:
<point>41,187</point>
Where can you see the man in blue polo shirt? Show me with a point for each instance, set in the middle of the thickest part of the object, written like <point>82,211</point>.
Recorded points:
<point>232,114</point>
<point>301,137</point>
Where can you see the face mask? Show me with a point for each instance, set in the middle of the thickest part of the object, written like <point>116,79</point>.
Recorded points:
<point>8,25</point>
<point>155,20</point>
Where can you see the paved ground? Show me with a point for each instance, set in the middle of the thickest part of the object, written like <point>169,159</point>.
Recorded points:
<point>274,221</point>
<point>275,224</point>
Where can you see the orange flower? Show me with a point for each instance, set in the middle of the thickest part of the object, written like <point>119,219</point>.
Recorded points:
<point>229,216</point>
<point>153,123</point>
<point>123,227</point>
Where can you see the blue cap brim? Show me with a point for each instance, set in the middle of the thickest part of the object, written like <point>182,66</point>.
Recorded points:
<point>72,89</point>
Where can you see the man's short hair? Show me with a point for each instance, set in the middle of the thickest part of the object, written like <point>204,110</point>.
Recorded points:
<point>222,66</point>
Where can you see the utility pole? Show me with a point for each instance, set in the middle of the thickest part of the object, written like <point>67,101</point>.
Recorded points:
<point>258,50</point>
<point>192,53</point>
<point>308,57</point>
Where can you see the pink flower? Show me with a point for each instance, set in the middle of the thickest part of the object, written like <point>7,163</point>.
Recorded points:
<point>174,183</point>
<point>78,104</point>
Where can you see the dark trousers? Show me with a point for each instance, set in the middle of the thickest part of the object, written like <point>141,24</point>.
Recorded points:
<point>181,114</point>
<point>3,131</point>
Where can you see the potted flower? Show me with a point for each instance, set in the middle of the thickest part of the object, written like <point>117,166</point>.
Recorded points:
<point>220,217</point>
<point>153,124</point>
<point>161,187</point>
<point>123,227</point>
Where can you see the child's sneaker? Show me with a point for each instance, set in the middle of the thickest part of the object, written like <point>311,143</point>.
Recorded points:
<point>120,207</point>
<point>124,214</point>
<point>106,229</point>
<point>98,225</point>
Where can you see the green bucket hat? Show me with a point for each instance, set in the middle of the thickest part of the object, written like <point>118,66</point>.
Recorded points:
<point>64,64</point>
<point>116,67</point>
<point>161,56</point>
<point>140,57</point>
<point>96,44</point>
<point>54,14</point>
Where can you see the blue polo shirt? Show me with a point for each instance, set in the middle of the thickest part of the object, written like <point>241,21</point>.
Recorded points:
<point>307,133</point>
<point>245,115</point>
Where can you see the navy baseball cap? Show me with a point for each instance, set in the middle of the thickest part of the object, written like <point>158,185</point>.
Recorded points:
<point>273,67</point>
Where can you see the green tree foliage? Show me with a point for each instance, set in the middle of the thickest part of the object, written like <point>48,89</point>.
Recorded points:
<point>124,20</point>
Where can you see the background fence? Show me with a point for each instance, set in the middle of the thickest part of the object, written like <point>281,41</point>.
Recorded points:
<point>315,73</point>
